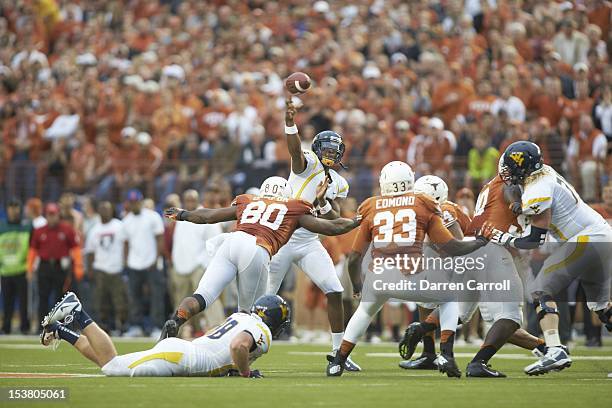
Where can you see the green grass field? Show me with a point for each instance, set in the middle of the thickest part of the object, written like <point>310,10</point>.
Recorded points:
<point>295,377</point>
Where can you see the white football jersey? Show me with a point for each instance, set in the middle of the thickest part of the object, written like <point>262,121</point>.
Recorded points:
<point>570,215</point>
<point>213,349</point>
<point>304,187</point>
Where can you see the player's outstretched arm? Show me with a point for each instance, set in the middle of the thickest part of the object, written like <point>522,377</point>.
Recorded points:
<point>454,247</point>
<point>338,226</point>
<point>239,350</point>
<point>294,144</point>
<point>354,269</point>
<point>202,215</point>
<point>537,234</point>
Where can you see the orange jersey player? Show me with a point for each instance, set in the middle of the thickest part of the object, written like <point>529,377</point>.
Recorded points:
<point>499,205</point>
<point>495,205</point>
<point>455,218</point>
<point>397,222</point>
<point>265,224</point>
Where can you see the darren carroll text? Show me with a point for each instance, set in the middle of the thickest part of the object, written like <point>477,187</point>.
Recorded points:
<point>423,284</point>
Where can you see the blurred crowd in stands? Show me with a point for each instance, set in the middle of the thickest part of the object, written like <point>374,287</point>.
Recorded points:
<point>98,98</point>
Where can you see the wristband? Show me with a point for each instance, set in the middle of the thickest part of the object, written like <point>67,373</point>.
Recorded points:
<point>291,130</point>
<point>245,374</point>
<point>179,216</point>
<point>325,209</point>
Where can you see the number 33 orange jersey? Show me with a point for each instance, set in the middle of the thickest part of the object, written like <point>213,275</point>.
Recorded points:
<point>399,224</point>
<point>272,220</point>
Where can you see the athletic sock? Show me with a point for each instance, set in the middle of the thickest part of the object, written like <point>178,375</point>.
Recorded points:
<point>429,346</point>
<point>447,341</point>
<point>82,318</point>
<point>65,333</point>
<point>345,350</point>
<point>541,346</point>
<point>551,337</point>
<point>428,327</point>
<point>336,340</point>
<point>485,353</point>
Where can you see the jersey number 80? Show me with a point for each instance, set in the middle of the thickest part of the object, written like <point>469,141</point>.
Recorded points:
<point>268,215</point>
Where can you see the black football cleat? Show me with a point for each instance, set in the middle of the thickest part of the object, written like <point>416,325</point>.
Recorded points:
<point>482,370</point>
<point>170,329</point>
<point>335,368</point>
<point>448,366</point>
<point>426,361</point>
<point>412,337</point>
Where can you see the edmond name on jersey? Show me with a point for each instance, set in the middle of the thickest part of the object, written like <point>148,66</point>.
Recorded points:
<point>570,215</point>
<point>304,187</point>
<point>206,356</point>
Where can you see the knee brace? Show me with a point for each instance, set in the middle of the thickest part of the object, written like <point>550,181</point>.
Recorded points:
<point>200,300</point>
<point>545,308</point>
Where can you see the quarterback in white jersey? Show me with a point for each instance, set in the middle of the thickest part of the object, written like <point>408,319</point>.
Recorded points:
<point>582,248</point>
<point>310,172</point>
<point>228,349</point>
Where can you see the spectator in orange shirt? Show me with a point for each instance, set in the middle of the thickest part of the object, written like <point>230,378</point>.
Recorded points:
<point>149,158</point>
<point>81,165</point>
<point>551,102</point>
<point>605,207</point>
<point>581,105</point>
<point>448,96</point>
<point>480,103</point>
<point>587,152</point>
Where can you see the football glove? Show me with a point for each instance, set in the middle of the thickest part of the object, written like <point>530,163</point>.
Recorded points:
<point>235,373</point>
<point>494,235</point>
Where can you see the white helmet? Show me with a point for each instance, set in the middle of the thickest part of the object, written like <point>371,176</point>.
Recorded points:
<point>275,186</point>
<point>396,178</point>
<point>433,186</point>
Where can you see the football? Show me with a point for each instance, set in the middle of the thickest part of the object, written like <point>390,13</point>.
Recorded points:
<point>298,83</point>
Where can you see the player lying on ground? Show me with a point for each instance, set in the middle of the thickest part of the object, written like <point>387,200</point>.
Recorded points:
<point>584,244</point>
<point>304,249</point>
<point>500,205</point>
<point>265,224</point>
<point>397,222</point>
<point>228,349</point>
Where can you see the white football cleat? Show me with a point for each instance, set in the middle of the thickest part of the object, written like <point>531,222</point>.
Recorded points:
<point>556,359</point>
<point>66,306</point>
<point>350,365</point>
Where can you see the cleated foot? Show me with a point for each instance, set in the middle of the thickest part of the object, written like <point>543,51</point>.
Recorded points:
<point>482,370</point>
<point>425,362</point>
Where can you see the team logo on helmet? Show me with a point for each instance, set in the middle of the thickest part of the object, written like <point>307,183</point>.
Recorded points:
<point>518,158</point>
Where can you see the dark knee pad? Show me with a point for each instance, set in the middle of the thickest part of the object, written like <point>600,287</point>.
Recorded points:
<point>545,308</point>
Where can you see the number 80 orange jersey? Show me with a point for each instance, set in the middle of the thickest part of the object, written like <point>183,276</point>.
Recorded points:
<point>398,224</point>
<point>272,220</point>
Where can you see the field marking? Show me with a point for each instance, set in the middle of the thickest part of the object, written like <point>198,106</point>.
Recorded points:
<point>504,356</point>
<point>47,375</point>
<point>22,346</point>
